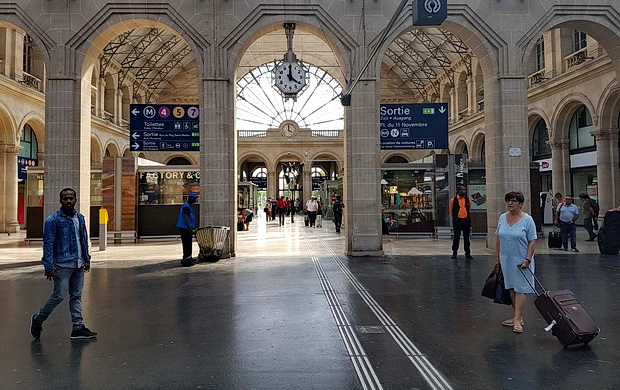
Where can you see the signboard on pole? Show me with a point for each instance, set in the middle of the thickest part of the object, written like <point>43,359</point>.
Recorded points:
<point>164,127</point>
<point>429,12</point>
<point>414,126</point>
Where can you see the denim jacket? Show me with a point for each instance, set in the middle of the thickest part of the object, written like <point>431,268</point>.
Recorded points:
<point>59,240</point>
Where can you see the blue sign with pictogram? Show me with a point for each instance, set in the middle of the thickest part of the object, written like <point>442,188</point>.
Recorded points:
<point>414,126</point>
<point>429,12</point>
<point>164,127</point>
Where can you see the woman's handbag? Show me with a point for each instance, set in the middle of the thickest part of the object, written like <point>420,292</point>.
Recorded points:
<point>494,287</point>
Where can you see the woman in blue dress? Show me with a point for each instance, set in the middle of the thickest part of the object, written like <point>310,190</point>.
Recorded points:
<point>515,247</point>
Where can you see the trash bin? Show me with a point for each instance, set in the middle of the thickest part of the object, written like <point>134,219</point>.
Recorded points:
<point>211,241</point>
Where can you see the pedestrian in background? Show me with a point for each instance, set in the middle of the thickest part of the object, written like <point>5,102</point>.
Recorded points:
<point>337,209</point>
<point>65,259</point>
<point>568,213</point>
<point>587,212</point>
<point>461,221</point>
<point>186,222</point>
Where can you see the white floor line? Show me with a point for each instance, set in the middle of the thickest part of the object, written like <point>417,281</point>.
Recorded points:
<point>432,376</point>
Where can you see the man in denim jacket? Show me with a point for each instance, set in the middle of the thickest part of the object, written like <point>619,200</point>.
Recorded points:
<point>65,258</point>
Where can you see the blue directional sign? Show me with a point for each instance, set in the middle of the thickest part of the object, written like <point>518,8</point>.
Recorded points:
<point>164,127</point>
<point>414,126</point>
<point>429,12</point>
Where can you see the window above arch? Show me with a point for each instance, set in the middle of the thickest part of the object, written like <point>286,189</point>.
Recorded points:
<point>396,160</point>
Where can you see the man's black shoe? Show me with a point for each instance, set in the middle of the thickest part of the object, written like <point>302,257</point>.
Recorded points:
<point>36,327</point>
<point>453,256</point>
<point>468,257</point>
<point>83,333</point>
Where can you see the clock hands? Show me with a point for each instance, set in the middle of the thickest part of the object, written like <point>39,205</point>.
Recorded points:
<point>290,75</point>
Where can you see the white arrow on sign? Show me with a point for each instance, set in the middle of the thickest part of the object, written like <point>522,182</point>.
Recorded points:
<point>136,145</point>
<point>442,109</point>
<point>135,135</point>
<point>135,111</point>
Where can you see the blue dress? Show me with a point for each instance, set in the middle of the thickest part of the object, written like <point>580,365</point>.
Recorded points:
<point>513,242</point>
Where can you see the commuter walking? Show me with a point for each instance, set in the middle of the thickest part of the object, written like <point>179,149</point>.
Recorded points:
<point>568,213</point>
<point>65,259</point>
<point>587,210</point>
<point>312,207</point>
<point>515,246</point>
<point>337,208</point>
<point>186,222</point>
<point>461,221</point>
<point>281,210</point>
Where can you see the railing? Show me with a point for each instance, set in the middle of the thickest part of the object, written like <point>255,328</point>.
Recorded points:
<point>480,105</point>
<point>325,134</point>
<point>252,134</point>
<point>576,58</point>
<point>31,81</point>
<point>463,113</point>
<point>537,78</point>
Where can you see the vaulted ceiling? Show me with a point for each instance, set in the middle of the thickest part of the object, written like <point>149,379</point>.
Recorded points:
<point>164,63</point>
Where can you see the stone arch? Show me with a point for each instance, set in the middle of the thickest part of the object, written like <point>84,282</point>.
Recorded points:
<point>252,154</point>
<point>394,154</point>
<point>112,148</point>
<point>114,19</point>
<point>562,115</point>
<point>13,16</point>
<point>601,22</point>
<point>9,132</point>
<point>477,146</point>
<point>37,123</point>
<point>609,108</point>
<point>181,156</point>
<point>311,18</point>
<point>96,151</point>
<point>460,145</point>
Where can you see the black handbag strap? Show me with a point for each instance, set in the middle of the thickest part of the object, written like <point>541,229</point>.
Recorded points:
<point>536,281</point>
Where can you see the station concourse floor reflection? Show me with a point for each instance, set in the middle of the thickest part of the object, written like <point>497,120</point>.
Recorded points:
<point>291,311</point>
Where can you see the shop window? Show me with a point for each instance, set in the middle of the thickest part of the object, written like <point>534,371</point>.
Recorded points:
<point>580,128</point>
<point>540,148</point>
<point>27,157</point>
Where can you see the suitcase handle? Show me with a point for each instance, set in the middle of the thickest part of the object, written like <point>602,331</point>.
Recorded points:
<point>537,281</point>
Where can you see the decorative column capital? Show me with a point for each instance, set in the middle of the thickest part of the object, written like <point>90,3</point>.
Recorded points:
<point>609,133</point>
<point>561,143</point>
<point>4,148</point>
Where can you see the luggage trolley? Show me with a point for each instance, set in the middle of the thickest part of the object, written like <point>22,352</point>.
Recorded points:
<point>211,241</point>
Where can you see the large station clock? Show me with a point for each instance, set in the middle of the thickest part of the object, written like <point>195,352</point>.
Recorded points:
<point>289,76</point>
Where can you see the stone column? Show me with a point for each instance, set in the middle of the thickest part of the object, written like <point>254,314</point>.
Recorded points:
<point>560,165</point>
<point>67,143</point>
<point>8,193</point>
<point>307,183</point>
<point>218,148</point>
<point>362,188</point>
<point>607,171</point>
<point>272,182</point>
<point>472,106</point>
<point>507,144</point>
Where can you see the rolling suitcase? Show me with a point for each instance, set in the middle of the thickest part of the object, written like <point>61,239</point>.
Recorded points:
<point>555,239</point>
<point>567,319</point>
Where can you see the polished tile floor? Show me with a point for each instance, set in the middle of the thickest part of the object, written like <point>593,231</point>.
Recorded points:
<point>291,311</point>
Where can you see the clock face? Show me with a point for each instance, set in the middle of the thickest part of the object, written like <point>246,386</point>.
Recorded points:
<point>288,129</point>
<point>290,77</point>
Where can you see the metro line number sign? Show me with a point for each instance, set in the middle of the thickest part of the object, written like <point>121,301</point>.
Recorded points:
<point>414,126</point>
<point>164,127</point>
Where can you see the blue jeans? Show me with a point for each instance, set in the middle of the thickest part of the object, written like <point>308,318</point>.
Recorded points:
<point>568,229</point>
<point>69,280</point>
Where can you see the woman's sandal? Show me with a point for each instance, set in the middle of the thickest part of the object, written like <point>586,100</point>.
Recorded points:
<point>511,322</point>
<point>517,328</point>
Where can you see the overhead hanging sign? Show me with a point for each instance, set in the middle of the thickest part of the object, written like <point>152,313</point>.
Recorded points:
<point>414,126</point>
<point>164,127</point>
<point>429,12</point>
